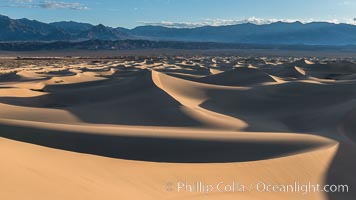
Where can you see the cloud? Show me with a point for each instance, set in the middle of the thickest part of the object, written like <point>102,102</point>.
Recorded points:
<point>346,3</point>
<point>173,24</point>
<point>214,22</point>
<point>22,1</point>
<point>227,22</point>
<point>47,4</point>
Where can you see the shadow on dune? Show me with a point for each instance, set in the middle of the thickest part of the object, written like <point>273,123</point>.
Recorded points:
<point>144,148</point>
<point>127,101</point>
<point>290,107</point>
<point>238,77</point>
<point>138,101</point>
<point>341,172</point>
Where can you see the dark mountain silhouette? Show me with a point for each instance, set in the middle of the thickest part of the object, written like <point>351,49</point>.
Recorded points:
<point>26,30</point>
<point>315,33</point>
<point>71,27</point>
<point>102,32</point>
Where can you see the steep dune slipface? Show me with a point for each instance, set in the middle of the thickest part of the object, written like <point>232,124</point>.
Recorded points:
<point>7,76</point>
<point>43,173</point>
<point>132,100</point>
<point>291,106</point>
<point>14,76</point>
<point>135,128</point>
<point>238,77</point>
<point>331,71</point>
<point>174,145</point>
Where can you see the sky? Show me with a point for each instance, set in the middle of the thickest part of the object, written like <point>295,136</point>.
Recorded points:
<point>180,13</point>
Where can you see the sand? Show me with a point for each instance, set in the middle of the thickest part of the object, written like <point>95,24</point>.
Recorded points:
<point>140,127</point>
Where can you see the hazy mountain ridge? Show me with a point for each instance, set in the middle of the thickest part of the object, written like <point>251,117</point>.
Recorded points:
<point>72,27</point>
<point>315,33</point>
<point>149,44</point>
<point>102,32</point>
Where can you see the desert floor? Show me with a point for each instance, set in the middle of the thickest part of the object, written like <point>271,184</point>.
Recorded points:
<point>142,127</point>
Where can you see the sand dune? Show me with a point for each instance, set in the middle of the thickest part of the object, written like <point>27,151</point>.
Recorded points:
<point>238,77</point>
<point>125,128</point>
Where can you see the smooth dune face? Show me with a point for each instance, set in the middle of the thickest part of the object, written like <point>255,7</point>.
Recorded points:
<point>140,128</point>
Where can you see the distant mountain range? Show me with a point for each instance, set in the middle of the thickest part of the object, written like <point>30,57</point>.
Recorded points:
<point>315,33</point>
<point>151,45</point>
